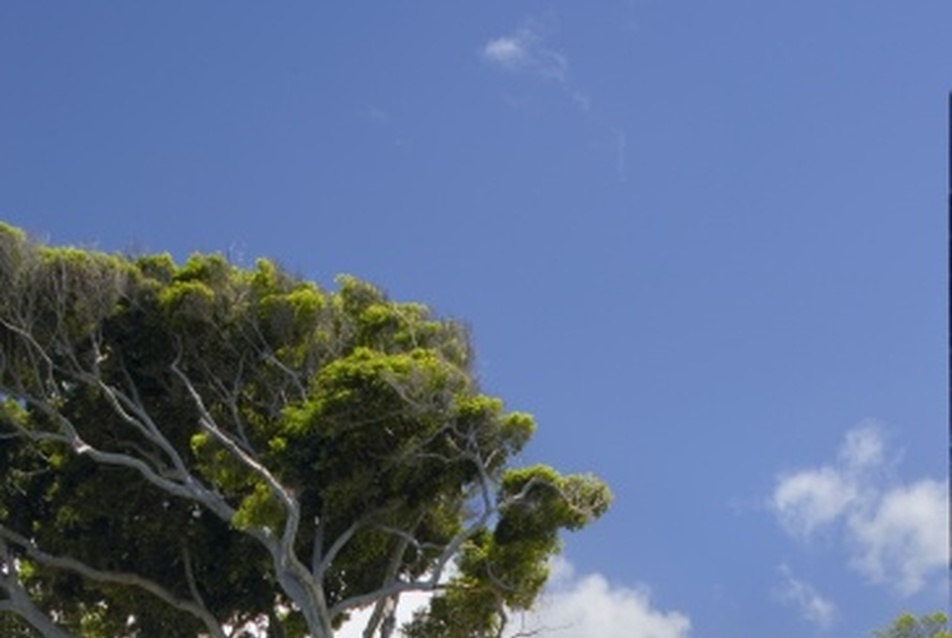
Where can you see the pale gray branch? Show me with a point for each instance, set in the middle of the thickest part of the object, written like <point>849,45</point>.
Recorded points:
<point>134,413</point>
<point>20,602</point>
<point>190,577</point>
<point>292,574</point>
<point>430,583</point>
<point>337,546</point>
<point>120,578</point>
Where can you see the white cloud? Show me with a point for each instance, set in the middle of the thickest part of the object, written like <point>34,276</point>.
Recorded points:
<point>527,51</point>
<point>896,533</point>
<point>812,606</point>
<point>591,606</point>
<point>573,607</point>
<point>808,500</point>
<point>524,50</point>
<point>509,52</point>
<point>903,538</point>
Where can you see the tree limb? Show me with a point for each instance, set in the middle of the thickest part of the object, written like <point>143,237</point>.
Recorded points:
<point>292,574</point>
<point>20,603</point>
<point>119,578</point>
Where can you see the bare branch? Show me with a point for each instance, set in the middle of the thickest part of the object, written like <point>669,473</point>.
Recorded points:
<point>266,353</point>
<point>337,546</point>
<point>292,574</point>
<point>35,351</point>
<point>317,547</point>
<point>384,613</point>
<point>190,577</point>
<point>430,583</point>
<point>383,616</point>
<point>207,421</point>
<point>189,488</point>
<point>120,578</point>
<point>19,600</point>
<point>230,397</point>
<point>132,411</point>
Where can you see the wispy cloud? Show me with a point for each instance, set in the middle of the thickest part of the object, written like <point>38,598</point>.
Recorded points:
<point>863,447</point>
<point>574,607</point>
<point>812,606</point>
<point>895,533</point>
<point>525,50</point>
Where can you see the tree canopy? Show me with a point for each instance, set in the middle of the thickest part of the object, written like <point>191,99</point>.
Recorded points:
<point>190,449</point>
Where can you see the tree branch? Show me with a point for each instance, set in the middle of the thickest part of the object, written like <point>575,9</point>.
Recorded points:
<point>292,574</point>
<point>20,603</point>
<point>119,578</point>
<point>190,577</point>
<point>189,488</point>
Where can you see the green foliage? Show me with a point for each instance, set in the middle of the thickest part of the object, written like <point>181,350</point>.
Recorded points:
<point>507,567</point>
<point>365,411</point>
<point>158,267</point>
<point>259,509</point>
<point>935,625</point>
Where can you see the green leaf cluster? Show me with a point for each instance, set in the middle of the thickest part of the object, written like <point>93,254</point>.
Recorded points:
<point>505,568</point>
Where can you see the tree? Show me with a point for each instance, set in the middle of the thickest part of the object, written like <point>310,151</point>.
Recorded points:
<point>906,625</point>
<point>187,450</point>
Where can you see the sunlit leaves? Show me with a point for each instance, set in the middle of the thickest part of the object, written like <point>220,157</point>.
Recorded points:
<point>259,509</point>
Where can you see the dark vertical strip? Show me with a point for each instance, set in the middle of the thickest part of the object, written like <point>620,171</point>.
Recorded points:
<point>949,319</point>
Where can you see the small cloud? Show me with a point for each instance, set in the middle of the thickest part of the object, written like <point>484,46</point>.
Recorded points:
<point>508,52</point>
<point>809,500</point>
<point>524,50</point>
<point>895,534</point>
<point>862,447</point>
<point>812,606</point>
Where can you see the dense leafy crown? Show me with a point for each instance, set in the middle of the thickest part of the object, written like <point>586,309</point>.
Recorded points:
<point>187,449</point>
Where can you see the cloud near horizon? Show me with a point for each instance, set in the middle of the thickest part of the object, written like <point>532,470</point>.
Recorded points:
<point>573,607</point>
<point>896,534</point>
<point>588,605</point>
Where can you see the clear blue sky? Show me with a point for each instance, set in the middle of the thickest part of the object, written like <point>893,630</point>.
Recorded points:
<point>703,242</point>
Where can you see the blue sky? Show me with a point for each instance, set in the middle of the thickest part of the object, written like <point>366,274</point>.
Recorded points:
<point>704,243</point>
